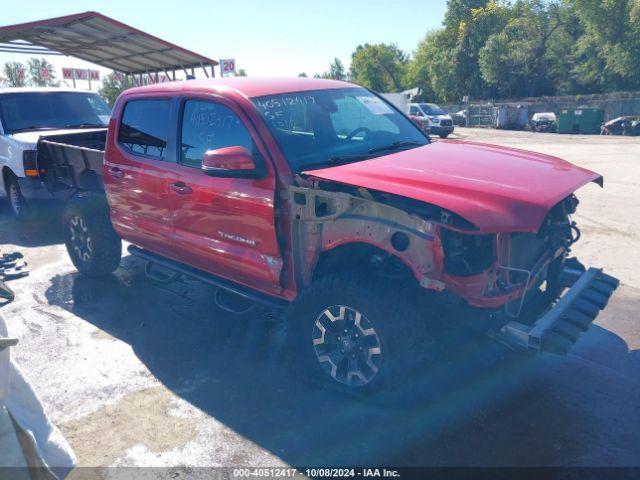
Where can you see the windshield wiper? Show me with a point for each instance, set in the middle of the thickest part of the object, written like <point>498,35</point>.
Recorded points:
<point>396,146</point>
<point>342,159</point>
<point>348,158</point>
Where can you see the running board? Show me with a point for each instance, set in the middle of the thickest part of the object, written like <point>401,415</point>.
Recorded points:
<point>560,327</point>
<point>187,271</point>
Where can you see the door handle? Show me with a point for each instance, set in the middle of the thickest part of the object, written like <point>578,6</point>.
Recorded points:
<point>115,172</point>
<point>181,188</point>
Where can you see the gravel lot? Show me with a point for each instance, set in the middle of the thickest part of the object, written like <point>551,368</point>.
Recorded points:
<point>138,373</point>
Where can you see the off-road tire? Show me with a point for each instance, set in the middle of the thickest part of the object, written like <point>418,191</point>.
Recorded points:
<point>20,210</point>
<point>103,249</point>
<point>397,320</point>
<point>443,135</point>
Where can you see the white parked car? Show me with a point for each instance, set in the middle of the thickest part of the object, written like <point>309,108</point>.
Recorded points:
<point>26,114</point>
<point>434,120</point>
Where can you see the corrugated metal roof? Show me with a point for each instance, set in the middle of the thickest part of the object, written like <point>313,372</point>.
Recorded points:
<point>104,41</point>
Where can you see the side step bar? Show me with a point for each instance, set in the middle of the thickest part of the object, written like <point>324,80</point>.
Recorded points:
<point>560,327</point>
<point>180,269</point>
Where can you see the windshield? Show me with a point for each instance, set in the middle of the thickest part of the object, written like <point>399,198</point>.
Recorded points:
<point>50,110</point>
<point>325,127</point>
<point>432,109</point>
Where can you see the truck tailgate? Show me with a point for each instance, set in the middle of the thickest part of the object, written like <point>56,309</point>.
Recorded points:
<point>72,161</point>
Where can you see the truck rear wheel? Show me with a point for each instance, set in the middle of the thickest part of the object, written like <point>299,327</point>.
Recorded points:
<point>351,331</point>
<point>93,245</point>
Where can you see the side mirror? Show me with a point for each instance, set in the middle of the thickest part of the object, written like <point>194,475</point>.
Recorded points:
<point>229,162</point>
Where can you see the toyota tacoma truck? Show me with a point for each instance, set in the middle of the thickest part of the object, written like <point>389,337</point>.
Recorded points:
<point>27,114</point>
<point>320,198</point>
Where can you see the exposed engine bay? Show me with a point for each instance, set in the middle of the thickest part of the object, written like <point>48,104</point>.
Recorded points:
<point>442,250</point>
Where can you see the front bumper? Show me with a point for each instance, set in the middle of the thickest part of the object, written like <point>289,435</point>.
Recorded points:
<point>560,327</point>
<point>439,130</point>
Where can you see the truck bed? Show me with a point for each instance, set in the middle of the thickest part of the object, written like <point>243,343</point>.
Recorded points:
<point>72,161</point>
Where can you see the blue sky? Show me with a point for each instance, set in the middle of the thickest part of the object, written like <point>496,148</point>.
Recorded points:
<point>277,37</point>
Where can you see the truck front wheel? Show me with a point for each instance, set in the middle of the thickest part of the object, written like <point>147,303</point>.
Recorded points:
<point>19,207</point>
<point>350,330</point>
<point>93,245</point>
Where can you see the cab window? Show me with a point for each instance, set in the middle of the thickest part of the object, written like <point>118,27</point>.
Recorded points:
<point>210,126</point>
<point>144,127</point>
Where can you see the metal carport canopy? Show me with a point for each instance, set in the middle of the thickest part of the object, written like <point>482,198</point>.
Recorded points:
<point>104,41</point>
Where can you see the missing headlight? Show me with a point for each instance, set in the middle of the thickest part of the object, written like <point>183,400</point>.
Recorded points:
<point>466,255</point>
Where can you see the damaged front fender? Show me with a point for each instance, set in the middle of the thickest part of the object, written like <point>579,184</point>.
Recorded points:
<point>324,220</point>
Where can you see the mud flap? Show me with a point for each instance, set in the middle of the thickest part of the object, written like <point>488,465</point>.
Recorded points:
<point>560,327</point>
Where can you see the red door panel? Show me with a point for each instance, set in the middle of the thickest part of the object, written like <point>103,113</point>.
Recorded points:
<point>139,203</point>
<point>225,226</point>
<point>136,174</point>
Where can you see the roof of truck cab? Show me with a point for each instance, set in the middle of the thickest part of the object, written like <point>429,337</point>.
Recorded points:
<point>247,86</point>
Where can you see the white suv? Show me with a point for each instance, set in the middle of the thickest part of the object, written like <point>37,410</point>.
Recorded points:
<point>26,114</point>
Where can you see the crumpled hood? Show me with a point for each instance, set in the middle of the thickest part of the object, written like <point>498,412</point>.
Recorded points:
<point>498,189</point>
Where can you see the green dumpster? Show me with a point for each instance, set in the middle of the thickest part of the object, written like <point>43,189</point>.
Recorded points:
<point>580,120</point>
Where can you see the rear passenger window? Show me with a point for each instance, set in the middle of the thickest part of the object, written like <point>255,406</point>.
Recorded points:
<point>144,127</point>
<point>209,126</point>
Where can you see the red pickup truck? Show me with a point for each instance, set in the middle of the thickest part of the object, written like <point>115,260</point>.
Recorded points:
<point>322,198</point>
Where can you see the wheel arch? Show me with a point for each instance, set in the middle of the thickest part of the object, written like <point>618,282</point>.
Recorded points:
<point>6,171</point>
<point>354,255</point>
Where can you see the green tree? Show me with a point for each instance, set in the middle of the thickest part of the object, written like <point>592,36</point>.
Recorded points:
<point>479,22</point>
<point>501,48</point>
<point>634,13</point>
<point>42,73</point>
<point>445,80</point>
<point>420,72</point>
<point>380,67</point>
<point>241,72</point>
<point>112,86</point>
<point>608,53</point>
<point>531,55</point>
<point>445,65</point>
<point>337,70</point>
<point>15,74</point>
<point>460,12</point>
<point>303,75</point>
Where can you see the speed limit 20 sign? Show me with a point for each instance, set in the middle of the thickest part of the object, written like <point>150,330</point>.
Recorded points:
<point>228,66</point>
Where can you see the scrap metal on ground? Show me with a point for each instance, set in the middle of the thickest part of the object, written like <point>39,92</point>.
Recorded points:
<point>12,266</point>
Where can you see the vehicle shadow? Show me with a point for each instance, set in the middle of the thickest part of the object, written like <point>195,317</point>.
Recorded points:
<point>477,404</point>
<point>43,229</point>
